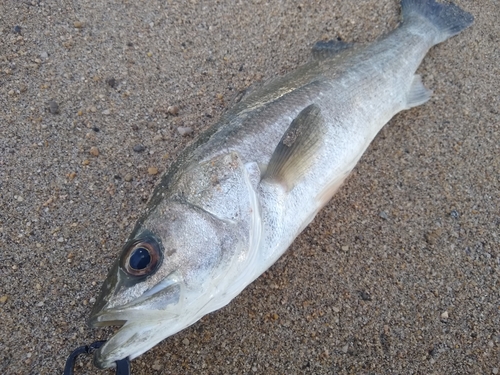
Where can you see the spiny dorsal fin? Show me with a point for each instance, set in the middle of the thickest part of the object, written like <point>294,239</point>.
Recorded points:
<point>325,49</point>
<point>418,93</point>
<point>295,151</point>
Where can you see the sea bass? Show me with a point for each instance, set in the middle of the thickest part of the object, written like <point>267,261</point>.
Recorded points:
<point>236,199</point>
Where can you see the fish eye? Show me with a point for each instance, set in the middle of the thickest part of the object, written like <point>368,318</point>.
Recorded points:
<point>142,257</point>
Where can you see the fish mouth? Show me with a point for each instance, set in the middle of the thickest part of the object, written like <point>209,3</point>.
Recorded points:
<point>144,321</point>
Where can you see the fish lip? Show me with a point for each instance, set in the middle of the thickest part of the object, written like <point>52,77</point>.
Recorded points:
<point>132,317</point>
<point>102,315</point>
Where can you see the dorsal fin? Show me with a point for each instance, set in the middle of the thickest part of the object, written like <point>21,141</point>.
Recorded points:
<point>295,151</point>
<point>325,49</point>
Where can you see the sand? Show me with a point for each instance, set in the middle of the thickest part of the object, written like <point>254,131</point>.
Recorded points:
<point>399,274</point>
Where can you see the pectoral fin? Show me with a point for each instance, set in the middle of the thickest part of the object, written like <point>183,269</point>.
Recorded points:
<point>296,149</point>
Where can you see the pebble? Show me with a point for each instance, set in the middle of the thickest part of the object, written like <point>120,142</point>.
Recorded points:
<point>444,315</point>
<point>86,162</point>
<point>128,177</point>
<point>153,171</point>
<point>139,148</point>
<point>111,82</point>
<point>383,215</point>
<point>106,112</point>
<point>185,341</point>
<point>4,299</point>
<point>93,109</point>
<point>173,110</point>
<point>53,107</point>
<point>94,151</point>
<point>77,24</point>
<point>184,130</point>
<point>495,370</point>
<point>17,29</point>
<point>44,55</point>
<point>92,300</point>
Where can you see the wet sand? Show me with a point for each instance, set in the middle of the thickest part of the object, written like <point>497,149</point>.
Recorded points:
<point>399,274</point>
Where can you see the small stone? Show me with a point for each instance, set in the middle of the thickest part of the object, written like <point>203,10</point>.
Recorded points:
<point>106,112</point>
<point>44,55</point>
<point>185,341</point>
<point>4,299</point>
<point>157,367</point>
<point>80,113</point>
<point>40,304</point>
<point>86,162</point>
<point>183,130</point>
<point>92,300</point>
<point>383,215</point>
<point>495,370</point>
<point>153,171</point>
<point>93,109</point>
<point>432,236</point>
<point>19,198</point>
<point>111,82</point>
<point>128,177</point>
<point>139,148</point>
<point>345,348</point>
<point>173,110</point>
<point>94,151</point>
<point>60,239</point>
<point>53,107</point>
<point>77,24</point>
<point>17,29</point>
<point>150,54</point>
<point>444,315</point>
<point>365,296</point>
<point>345,248</point>
<point>454,214</point>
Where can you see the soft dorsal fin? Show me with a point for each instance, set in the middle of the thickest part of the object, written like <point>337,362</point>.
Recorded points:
<point>295,151</point>
<point>325,49</point>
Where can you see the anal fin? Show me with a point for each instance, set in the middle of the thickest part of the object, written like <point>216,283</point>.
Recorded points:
<point>418,93</point>
<point>295,151</point>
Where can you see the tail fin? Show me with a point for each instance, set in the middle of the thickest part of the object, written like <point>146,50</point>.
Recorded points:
<point>448,18</point>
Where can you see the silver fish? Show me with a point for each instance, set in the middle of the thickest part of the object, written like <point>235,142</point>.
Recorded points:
<point>235,199</point>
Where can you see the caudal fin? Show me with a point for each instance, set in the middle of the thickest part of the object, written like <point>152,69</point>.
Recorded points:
<point>448,18</point>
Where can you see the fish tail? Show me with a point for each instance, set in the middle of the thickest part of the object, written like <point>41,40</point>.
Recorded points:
<point>447,18</point>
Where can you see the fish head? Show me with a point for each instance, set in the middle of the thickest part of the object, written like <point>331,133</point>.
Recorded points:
<point>163,279</point>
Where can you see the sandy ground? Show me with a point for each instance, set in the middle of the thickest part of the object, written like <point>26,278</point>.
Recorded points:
<point>399,274</point>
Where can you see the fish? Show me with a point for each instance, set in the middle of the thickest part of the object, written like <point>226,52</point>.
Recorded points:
<point>238,196</point>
